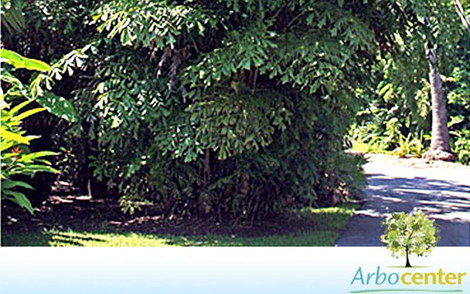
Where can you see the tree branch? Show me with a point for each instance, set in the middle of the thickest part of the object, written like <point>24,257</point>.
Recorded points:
<point>461,13</point>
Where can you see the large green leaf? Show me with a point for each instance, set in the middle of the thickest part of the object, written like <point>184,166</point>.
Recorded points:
<point>14,137</point>
<point>31,169</point>
<point>57,105</point>
<point>19,198</point>
<point>19,61</point>
<point>36,155</point>
<point>19,107</point>
<point>9,184</point>
<point>27,114</point>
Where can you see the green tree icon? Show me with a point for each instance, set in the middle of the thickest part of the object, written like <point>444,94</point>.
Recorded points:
<point>408,233</point>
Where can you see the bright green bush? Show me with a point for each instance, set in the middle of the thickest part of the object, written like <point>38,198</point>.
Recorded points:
<point>16,157</point>
<point>17,160</point>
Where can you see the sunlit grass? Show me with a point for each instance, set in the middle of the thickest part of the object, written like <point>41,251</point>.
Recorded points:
<point>360,147</point>
<point>325,229</point>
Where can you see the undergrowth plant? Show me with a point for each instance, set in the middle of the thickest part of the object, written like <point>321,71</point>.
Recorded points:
<point>17,160</point>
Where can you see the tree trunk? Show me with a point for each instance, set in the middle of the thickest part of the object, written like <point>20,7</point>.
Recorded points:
<point>207,167</point>
<point>87,172</point>
<point>440,146</point>
<point>407,258</point>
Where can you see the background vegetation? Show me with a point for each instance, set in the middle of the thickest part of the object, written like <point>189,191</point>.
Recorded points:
<point>396,115</point>
<point>237,109</point>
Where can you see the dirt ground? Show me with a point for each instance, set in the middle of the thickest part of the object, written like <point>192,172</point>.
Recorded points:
<point>105,215</point>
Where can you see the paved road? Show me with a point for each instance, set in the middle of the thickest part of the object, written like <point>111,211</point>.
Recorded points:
<point>441,190</point>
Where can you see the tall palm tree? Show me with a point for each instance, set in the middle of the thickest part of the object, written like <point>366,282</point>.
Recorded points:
<point>440,145</point>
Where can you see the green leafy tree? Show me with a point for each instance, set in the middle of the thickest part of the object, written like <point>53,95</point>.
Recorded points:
<point>408,233</point>
<point>439,28</point>
<point>231,108</point>
<point>420,85</point>
<point>246,106</point>
<point>17,159</point>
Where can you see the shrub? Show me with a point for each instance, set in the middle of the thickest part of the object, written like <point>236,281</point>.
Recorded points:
<point>17,160</point>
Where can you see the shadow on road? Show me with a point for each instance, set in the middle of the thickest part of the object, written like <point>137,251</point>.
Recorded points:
<point>446,201</point>
<point>440,199</point>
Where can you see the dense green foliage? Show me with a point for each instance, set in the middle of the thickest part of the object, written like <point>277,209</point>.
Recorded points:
<point>17,160</point>
<point>237,109</point>
<point>226,121</point>
<point>458,85</point>
<point>397,113</point>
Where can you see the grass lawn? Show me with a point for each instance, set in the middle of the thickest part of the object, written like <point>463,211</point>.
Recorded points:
<point>326,227</point>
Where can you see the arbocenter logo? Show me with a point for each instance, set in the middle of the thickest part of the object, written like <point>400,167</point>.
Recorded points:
<point>408,234</point>
<point>409,281</point>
